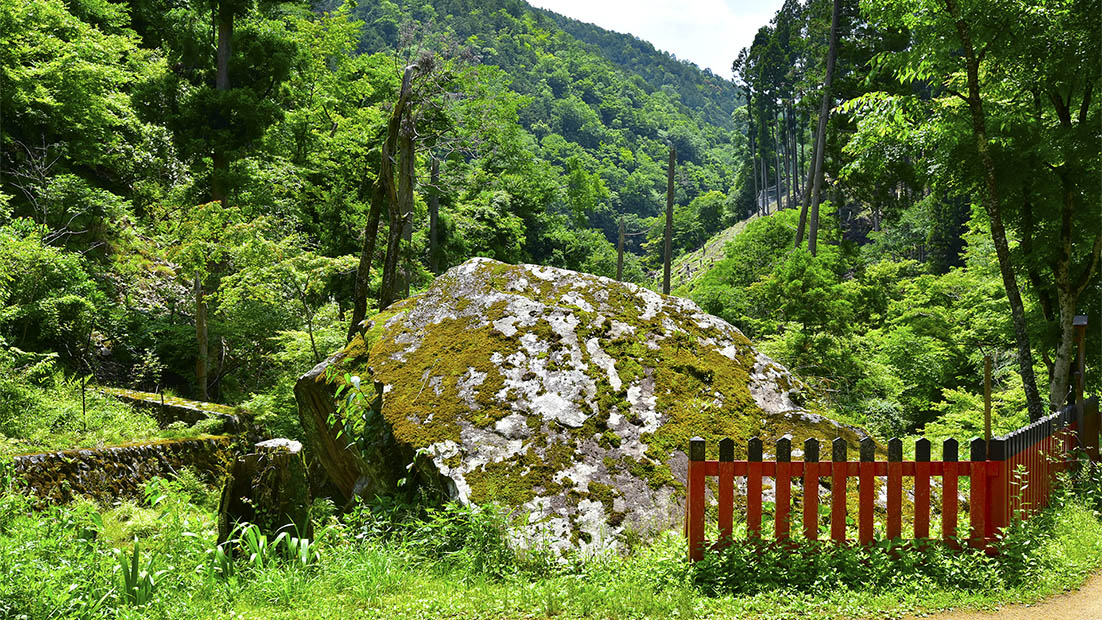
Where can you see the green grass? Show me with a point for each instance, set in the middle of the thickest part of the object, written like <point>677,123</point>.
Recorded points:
<point>48,413</point>
<point>383,562</point>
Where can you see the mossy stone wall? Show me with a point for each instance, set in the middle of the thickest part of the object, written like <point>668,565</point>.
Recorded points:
<point>111,473</point>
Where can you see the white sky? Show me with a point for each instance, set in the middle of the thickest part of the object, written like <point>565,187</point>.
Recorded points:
<point>709,33</point>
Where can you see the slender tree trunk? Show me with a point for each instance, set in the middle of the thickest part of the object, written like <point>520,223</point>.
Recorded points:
<point>820,142</point>
<point>793,129</point>
<point>202,338</point>
<point>400,216</point>
<point>219,160</point>
<point>803,155</point>
<point>1065,350</point>
<point>765,182</point>
<point>406,182</point>
<point>753,151</point>
<point>777,160</point>
<point>789,196</point>
<point>434,217</point>
<point>805,199</point>
<point>383,194</point>
<point>620,252</point>
<point>1067,294</point>
<point>313,344</point>
<point>367,251</point>
<point>991,202</point>
<point>668,257</point>
<point>219,168</point>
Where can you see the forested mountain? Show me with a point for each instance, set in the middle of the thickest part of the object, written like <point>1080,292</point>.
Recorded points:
<point>603,107</point>
<point>705,93</point>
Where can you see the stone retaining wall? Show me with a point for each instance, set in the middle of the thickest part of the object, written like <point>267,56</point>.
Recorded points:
<point>116,472</point>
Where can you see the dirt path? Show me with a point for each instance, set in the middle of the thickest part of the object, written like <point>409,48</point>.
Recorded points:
<point>1082,604</point>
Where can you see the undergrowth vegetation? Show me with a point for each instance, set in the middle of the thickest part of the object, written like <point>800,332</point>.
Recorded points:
<point>159,558</point>
<point>44,408</point>
<point>41,408</point>
<point>882,340</point>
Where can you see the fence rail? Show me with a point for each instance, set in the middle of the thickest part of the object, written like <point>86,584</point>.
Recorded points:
<point>1009,476</point>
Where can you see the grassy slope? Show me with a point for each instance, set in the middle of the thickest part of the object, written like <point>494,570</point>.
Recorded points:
<point>691,265</point>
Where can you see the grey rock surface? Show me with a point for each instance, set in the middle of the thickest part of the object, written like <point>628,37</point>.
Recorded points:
<point>566,396</point>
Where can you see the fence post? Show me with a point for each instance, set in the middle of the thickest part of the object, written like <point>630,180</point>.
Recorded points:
<point>838,489</point>
<point>998,484</point>
<point>726,489</point>
<point>695,517</point>
<point>866,477</point>
<point>811,489</point>
<point>977,505</point>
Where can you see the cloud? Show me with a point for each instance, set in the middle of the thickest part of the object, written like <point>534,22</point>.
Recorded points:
<point>709,33</point>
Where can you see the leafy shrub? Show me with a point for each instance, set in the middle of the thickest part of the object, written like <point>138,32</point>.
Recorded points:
<point>47,299</point>
<point>820,566</point>
<point>472,538</point>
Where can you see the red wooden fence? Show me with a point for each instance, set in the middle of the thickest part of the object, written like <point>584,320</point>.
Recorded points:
<point>1010,476</point>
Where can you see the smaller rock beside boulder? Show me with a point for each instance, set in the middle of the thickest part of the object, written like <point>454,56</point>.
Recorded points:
<point>267,487</point>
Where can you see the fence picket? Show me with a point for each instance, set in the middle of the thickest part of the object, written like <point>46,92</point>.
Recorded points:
<point>866,490</point>
<point>695,517</point>
<point>838,489</point>
<point>782,488</point>
<point>726,489</point>
<point>999,514</point>
<point>811,489</point>
<point>977,505</point>
<point>753,487</point>
<point>895,488</point>
<point>922,488</point>
<point>949,455</point>
<point>1031,468</point>
<point>1015,480</point>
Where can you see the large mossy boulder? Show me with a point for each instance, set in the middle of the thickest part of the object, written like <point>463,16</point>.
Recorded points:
<point>568,396</point>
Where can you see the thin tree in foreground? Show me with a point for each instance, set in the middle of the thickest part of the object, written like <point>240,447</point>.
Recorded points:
<point>668,254</point>
<point>820,141</point>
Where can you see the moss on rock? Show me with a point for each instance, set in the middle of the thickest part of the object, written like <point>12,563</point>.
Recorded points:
<point>568,395</point>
